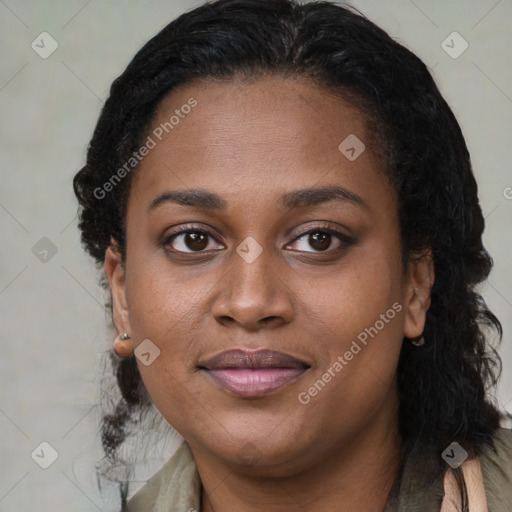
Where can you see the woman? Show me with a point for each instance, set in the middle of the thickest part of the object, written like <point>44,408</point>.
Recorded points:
<point>286,213</point>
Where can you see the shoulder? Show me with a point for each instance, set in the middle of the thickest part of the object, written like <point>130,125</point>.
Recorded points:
<point>496,463</point>
<point>488,478</point>
<point>175,487</point>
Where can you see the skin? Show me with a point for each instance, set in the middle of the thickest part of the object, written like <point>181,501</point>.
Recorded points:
<point>250,143</point>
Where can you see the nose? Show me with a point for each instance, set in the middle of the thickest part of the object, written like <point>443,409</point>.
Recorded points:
<point>253,295</point>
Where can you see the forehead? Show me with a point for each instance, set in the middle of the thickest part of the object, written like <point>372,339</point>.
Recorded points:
<point>268,135</point>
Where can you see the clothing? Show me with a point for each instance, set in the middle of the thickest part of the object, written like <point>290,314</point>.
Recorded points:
<point>176,487</point>
<point>497,473</point>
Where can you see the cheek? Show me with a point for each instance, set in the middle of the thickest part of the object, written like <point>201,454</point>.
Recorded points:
<point>166,313</point>
<point>362,313</point>
<point>163,301</point>
<point>359,292</point>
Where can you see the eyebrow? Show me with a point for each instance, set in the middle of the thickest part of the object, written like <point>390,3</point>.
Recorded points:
<point>199,198</point>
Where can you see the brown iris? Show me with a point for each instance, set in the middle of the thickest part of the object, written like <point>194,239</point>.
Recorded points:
<point>321,239</point>
<point>196,241</point>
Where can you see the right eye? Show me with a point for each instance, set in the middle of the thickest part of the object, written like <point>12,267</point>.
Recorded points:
<point>189,241</point>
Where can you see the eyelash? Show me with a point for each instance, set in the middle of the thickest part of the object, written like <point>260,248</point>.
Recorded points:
<point>344,239</point>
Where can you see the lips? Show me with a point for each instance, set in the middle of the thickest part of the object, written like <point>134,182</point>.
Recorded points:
<point>264,358</point>
<point>253,374</point>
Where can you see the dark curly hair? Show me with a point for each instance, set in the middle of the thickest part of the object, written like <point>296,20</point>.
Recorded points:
<point>444,384</point>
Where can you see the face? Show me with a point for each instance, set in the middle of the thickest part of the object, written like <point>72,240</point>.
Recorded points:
<point>256,259</point>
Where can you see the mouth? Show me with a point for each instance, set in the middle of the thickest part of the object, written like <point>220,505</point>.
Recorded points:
<point>253,374</point>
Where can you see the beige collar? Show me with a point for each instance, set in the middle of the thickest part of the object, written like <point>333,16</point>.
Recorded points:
<point>472,472</point>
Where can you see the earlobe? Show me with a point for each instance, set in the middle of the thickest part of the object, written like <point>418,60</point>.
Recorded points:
<point>114,268</point>
<point>420,279</point>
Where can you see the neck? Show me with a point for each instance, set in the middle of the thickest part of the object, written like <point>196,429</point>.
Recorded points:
<point>357,474</point>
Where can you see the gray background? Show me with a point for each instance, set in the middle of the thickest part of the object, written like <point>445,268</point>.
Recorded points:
<point>52,320</point>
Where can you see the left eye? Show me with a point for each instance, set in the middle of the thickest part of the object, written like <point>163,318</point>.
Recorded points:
<point>320,240</point>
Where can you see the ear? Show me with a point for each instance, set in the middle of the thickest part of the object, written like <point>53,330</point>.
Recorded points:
<point>419,282</point>
<point>115,271</point>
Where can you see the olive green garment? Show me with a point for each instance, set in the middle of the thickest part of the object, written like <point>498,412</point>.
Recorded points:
<point>176,487</point>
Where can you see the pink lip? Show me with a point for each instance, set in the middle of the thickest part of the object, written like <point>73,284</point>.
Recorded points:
<point>253,373</point>
<point>251,383</point>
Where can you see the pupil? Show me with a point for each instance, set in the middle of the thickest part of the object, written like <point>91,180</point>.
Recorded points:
<point>322,239</point>
<point>195,241</point>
